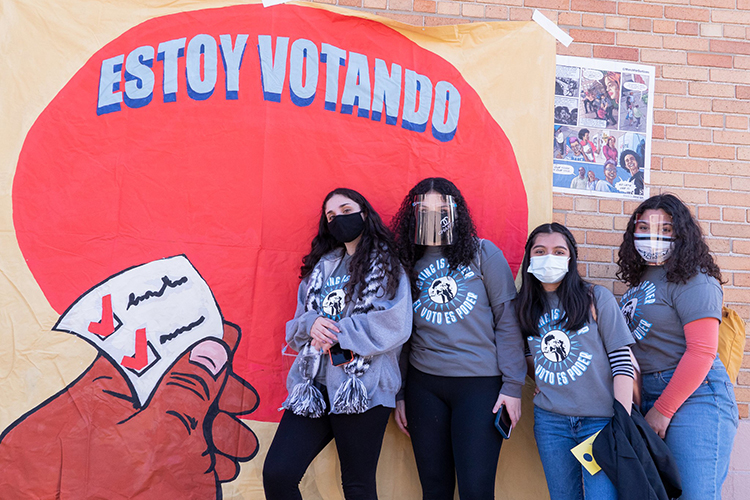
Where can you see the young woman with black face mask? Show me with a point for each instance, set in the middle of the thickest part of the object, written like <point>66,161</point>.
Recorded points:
<point>578,355</point>
<point>673,308</point>
<point>466,353</point>
<point>353,315</point>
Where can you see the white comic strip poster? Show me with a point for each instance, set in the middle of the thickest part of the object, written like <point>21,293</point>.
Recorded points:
<point>603,120</point>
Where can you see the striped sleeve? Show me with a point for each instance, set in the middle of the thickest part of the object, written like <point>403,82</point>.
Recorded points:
<point>619,360</point>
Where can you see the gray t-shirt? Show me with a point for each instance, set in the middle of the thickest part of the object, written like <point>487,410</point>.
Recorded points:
<point>464,319</point>
<point>571,369</point>
<point>657,311</point>
<point>333,300</point>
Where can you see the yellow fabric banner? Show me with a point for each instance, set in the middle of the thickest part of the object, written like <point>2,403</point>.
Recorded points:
<point>176,153</point>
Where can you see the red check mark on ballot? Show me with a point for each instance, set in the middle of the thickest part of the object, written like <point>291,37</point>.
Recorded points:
<point>143,320</point>
<point>140,359</point>
<point>106,326</point>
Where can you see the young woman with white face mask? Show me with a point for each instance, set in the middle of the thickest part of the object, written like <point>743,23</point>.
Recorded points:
<point>673,308</point>
<point>578,355</point>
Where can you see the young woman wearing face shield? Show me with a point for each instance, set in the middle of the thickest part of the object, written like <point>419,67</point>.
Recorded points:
<point>466,352</point>
<point>353,315</point>
<point>673,308</point>
<point>578,354</point>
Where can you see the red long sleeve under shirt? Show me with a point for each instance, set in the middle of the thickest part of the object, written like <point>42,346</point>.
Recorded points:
<point>702,339</point>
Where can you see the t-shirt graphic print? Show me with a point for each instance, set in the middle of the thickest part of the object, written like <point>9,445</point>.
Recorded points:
<point>558,356</point>
<point>632,304</point>
<point>443,296</point>
<point>333,295</point>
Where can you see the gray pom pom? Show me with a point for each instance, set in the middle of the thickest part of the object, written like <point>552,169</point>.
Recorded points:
<point>305,400</point>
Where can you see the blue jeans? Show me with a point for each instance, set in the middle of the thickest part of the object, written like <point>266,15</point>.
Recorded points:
<point>555,435</point>
<point>701,433</point>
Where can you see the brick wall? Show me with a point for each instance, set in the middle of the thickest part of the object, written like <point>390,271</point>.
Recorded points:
<point>701,140</point>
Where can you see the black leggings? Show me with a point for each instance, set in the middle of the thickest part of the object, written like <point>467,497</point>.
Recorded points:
<point>298,441</point>
<point>453,433</point>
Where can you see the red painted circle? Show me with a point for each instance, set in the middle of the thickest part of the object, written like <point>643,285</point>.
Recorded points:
<point>236,185</point>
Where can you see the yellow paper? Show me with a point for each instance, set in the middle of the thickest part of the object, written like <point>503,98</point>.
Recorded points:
<point>585,454</point>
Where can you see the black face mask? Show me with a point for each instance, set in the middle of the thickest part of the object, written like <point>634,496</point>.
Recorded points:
<point>346,228</point>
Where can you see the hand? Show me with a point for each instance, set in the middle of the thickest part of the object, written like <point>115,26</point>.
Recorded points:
<point>324,332</point>
<point>512,404</point>
<point>183,444</point>
<point>658,422</point>
<point>320,347</point>
<point>400,415</point>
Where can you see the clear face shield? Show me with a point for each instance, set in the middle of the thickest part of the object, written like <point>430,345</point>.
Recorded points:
<point>435,215</point>
<point>653,237</point>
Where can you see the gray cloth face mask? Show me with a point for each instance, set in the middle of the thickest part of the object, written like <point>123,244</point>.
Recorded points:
<point>654,250</point>
<point>653,239</point>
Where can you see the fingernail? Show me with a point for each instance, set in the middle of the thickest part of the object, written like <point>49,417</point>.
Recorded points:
<point>211,355</point>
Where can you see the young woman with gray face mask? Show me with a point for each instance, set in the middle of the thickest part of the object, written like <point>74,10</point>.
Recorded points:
<point>673,308</point>
<point>578,355</point>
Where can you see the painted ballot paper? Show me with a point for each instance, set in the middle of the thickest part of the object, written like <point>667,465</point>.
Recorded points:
<point>144,318</point>
<point>602,134</point>
<point>163,166</point>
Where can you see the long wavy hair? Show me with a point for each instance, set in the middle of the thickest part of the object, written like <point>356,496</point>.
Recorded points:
<point>404,224</point>
<point>690,254</point>
<point>376,244</point>
<point>574,293</point>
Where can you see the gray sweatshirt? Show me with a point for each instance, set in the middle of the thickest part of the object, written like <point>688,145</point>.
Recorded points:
<point>379,333</point>
<point>465,324</point>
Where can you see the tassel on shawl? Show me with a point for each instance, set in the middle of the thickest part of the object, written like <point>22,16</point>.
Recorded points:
<point>305,399</point>
<point>351,396</point>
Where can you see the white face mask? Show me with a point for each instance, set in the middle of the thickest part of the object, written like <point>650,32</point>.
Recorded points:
<point>653,250</point>
<point>549,268</point>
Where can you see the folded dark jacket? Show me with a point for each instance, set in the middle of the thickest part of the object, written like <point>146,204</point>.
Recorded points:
<point>636,459</point>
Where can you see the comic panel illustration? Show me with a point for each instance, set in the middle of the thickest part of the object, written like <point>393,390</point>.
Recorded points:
<point>635,103</point>
<point>598,161</point>
<point>600,98</point>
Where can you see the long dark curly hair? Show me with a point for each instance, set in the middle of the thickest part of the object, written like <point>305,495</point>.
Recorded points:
<point>575,294</point>
<point>376,244</point>
<point>690,255</point>
<point>465,243</point>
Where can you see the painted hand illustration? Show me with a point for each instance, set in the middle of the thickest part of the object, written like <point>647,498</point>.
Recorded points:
<point>92,440</point>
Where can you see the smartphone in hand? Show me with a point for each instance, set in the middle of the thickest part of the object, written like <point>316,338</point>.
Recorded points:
<point>502,422</point>
<point>338,355</point>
